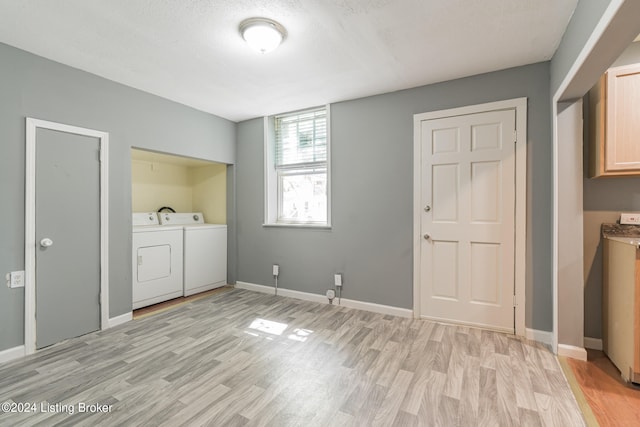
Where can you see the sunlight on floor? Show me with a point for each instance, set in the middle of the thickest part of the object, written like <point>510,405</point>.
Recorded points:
<point>276,328</point>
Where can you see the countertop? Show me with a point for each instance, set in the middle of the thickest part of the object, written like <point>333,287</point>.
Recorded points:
<point>629,234</point>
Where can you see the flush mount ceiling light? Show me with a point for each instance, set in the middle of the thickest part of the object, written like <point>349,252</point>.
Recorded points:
<point>262,34</point>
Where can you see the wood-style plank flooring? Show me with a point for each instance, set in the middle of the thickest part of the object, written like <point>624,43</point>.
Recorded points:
<point>613,401</point>
<point>243,358</point>
<point>162,306</point>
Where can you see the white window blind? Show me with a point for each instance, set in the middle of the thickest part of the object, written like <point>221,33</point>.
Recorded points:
<point>301,139</point>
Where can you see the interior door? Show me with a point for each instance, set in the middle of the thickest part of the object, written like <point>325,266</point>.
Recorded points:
<point>468,219</point>
<point>67,231</point>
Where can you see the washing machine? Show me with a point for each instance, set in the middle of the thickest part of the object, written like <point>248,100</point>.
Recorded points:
<point>157,260</point>
<point>205,251</point>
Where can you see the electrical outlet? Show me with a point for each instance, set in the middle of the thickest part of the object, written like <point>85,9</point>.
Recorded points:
<point>337,279</point>
<point>16,279</point>
<point>276,270</point>
<point>630,218</point>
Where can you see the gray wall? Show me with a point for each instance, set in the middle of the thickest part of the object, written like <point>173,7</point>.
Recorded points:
<point>232,247</point>
<point>631,55</point>
<point>372,195</point>
<point>604,199</point>
<point>31,86</point>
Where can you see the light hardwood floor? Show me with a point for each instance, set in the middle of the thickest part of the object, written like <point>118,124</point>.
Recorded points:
<point>243,358</point>
<point>613,401</point>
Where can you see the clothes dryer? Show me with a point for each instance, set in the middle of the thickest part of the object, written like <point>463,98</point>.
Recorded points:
<point>205,251</point>
<point>157,258</point>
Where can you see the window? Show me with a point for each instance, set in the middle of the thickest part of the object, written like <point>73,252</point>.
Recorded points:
<point>297,165</point>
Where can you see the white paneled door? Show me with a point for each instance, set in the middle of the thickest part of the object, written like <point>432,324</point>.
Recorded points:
<point>467,222</point>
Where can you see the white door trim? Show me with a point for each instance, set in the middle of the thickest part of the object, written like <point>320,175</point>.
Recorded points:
<point>520,107</point>
<point>30,221</point>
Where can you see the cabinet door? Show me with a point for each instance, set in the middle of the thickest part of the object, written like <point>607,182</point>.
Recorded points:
<point>622,148</point>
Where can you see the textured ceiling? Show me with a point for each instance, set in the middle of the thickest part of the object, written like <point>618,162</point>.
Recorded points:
<point>190,51</point>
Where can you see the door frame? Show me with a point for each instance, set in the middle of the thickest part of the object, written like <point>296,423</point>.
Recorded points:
<point>520,107</point>
<point>613,32</point>
<point>32,125</point>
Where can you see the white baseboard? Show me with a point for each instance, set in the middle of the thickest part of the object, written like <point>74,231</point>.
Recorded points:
<point>12,354</point>
<point>306,296</point>
<point>119,320</point>
<point>20,351</point>
<point>376,308</point>
<point>544,337</point>
<point>593,343</point>
<point>572,351</point>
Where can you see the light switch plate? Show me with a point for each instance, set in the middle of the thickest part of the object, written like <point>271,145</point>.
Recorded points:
<point>630,218</point>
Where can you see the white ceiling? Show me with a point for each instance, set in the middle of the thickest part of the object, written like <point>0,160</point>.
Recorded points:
<point>190,51</point>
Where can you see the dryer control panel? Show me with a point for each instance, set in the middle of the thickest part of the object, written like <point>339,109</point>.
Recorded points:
<point>145,218</point>
<point>189,218</point>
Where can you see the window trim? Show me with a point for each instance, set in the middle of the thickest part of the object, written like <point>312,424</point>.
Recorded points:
<point>271,192</point>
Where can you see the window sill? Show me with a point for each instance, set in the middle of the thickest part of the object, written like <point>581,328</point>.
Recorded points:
<point>293,225</point>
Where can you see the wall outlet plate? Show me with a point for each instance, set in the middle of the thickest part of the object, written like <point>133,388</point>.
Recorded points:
<point>630,218</point>
<point>337,279</point>
<point>16,279</point>
<point>276,269</point>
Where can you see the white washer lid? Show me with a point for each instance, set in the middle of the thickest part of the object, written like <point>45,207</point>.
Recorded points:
<point>195,227</point>
<point>145,218</point>
<point>157,228</point>
<point>188,218</point>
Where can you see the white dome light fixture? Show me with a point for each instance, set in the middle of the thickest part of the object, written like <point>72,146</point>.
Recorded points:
<point>262,34</point>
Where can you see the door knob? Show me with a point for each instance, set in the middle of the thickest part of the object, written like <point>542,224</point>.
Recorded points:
<point>46,242</point>
<point>426,237</point>
<point>427,208</point>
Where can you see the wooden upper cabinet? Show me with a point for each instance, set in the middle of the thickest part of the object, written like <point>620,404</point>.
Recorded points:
<point>614,123</point>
